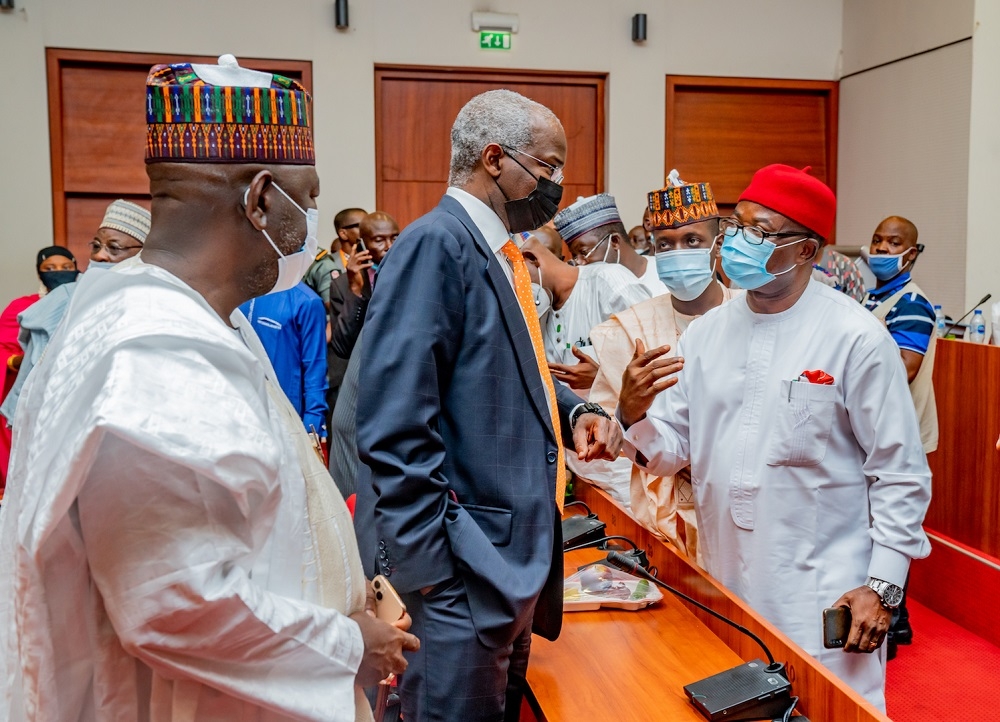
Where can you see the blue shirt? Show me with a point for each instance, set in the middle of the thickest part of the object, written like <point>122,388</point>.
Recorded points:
<point>291,326</point>
<point>911,321</point>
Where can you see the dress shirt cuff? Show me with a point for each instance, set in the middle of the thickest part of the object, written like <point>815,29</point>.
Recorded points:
<point>888,565</point>
<point>640,434</point>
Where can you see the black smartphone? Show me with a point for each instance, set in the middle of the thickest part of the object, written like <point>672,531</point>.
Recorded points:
<point>836,627</point>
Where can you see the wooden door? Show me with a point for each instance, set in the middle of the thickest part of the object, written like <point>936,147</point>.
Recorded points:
<point>722,130</point>
<point>416,107</point>
<point>97,131</point>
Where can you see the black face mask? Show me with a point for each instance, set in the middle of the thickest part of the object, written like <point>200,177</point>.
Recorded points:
<point>537,208</point>
<point>54,279</point>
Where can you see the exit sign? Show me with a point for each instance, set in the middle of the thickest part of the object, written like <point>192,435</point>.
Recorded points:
<point>494,40</point>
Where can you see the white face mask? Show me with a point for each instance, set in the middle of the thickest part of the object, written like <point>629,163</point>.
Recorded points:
<point>293,267</point>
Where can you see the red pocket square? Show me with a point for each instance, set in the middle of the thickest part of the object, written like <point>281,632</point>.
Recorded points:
<point>817,377</point>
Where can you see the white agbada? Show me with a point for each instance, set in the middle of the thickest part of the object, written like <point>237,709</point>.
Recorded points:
<point>163,552</point>
<point>601,289</point>
<point>801,490</point>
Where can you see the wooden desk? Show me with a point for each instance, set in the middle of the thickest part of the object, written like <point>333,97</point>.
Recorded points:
<point>965,503</point>
<point>618,665</point>
<point>614,666</point>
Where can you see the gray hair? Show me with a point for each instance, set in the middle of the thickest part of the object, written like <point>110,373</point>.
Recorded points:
<point>496,116</point>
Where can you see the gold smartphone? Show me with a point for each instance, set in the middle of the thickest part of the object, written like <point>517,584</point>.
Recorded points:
<point>388,606</point>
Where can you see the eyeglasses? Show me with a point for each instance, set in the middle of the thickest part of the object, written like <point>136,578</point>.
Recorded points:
<point>752,234</point>
<point>113,249</point>
<point>556,173</point>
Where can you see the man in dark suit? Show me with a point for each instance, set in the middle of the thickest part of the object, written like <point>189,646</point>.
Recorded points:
<point>460,423</point>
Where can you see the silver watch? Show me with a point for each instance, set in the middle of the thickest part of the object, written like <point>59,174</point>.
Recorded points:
<point>890,594</point>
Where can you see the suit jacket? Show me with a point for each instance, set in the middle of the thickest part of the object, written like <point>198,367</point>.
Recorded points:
<point>455,433</point>
<point>347,313</point>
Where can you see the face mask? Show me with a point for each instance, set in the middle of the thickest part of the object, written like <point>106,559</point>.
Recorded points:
<point>885,267</point>
<point>293,267</point>
<point>537,208</point>
<point>100,264</point>
<point>746,263</point>
<point>53,279</point>
<point>686,273</point>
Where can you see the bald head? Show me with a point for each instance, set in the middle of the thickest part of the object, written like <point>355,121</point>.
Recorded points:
<point>897,227</point>
<point>378,233</point>
<point>551,240</point>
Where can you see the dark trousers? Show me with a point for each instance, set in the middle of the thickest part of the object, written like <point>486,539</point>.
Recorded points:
<point>454,677</point>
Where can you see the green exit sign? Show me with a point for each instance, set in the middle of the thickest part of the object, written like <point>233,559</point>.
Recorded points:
<point>494,40</point>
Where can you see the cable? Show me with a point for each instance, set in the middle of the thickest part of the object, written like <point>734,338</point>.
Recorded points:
<point>791,708</point>
<point>579,503</point>
<point>620,561</point>
<point>598,542</point>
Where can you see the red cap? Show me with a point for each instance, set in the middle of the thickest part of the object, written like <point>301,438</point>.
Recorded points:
<point>796,195</point>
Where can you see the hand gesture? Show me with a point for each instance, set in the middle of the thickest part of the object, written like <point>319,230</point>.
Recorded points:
<point>577,376</point>
<point>596,437</point>
<point>358,264</point>
<point>648,373</point>
<point>384,643</point>
<point>869,620</point>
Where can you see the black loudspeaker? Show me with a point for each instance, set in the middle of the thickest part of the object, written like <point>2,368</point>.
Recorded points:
<point>639,28</point>
<point>340,14</point>
<point>6,4</point>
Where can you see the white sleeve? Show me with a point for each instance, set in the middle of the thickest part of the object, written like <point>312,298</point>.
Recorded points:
<point>660,442</point>
<point>885,424</point>
<point>168,548</point>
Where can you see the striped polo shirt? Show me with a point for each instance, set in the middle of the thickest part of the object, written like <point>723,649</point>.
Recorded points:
<point>911,321</point>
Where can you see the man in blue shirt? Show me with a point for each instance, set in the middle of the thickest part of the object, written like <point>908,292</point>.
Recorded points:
<point>292,328</point>
<point>909,317</point>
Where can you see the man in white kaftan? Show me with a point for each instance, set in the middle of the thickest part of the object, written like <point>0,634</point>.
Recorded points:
<point>806,462</point>
<point>172,549</point>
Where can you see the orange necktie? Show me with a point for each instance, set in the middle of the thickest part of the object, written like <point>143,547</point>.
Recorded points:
<point>522,289</point>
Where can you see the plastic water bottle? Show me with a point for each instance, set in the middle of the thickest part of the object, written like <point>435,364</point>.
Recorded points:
<point>977,328</point>
<point>939,321</point>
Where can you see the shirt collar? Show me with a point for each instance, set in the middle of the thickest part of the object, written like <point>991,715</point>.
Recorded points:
<point>890,288</point>
<point>488,222</point>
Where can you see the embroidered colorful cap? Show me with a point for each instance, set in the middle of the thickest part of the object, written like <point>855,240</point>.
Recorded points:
<point>678,203</point>
<point>128,218</point>
<point>586,215</point>
<point>226,114</point>
<point>796,195</point>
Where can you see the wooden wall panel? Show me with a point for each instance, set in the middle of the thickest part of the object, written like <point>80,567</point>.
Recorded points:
<point>722,130</point>
<point>966,487</point>
<point>97,129</point>
<point>416,107</point>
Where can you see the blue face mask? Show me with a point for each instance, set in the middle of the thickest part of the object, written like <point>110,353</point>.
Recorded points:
<point>686,273</point>
<point>885,267</point>
<point>745,263</point>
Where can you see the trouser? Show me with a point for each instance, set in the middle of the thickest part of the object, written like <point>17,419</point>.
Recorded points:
<point>454,677</point>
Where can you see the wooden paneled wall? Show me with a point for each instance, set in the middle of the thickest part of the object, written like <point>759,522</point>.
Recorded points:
<point>97,130</point>
<point>415,108</point>
<point>722,130</point>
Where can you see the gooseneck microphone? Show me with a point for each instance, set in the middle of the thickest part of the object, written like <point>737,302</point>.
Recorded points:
<point>981,301</point>
<point>627,564</point>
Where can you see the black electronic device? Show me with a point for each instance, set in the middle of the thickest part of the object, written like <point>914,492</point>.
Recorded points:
<point>752,691</point>
<point>578,529</point>
<point>836,627</point>
<point>747,692</point>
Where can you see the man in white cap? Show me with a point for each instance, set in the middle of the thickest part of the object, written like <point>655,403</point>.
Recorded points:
<point>593,229</point>
<point>171,545</point>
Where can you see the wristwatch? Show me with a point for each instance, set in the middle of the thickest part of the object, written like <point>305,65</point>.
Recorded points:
<point>890,594</point>
<point>587,408</point>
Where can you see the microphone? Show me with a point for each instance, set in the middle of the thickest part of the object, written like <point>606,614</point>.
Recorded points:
<point>626,564</point>
<point>982,300</point>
